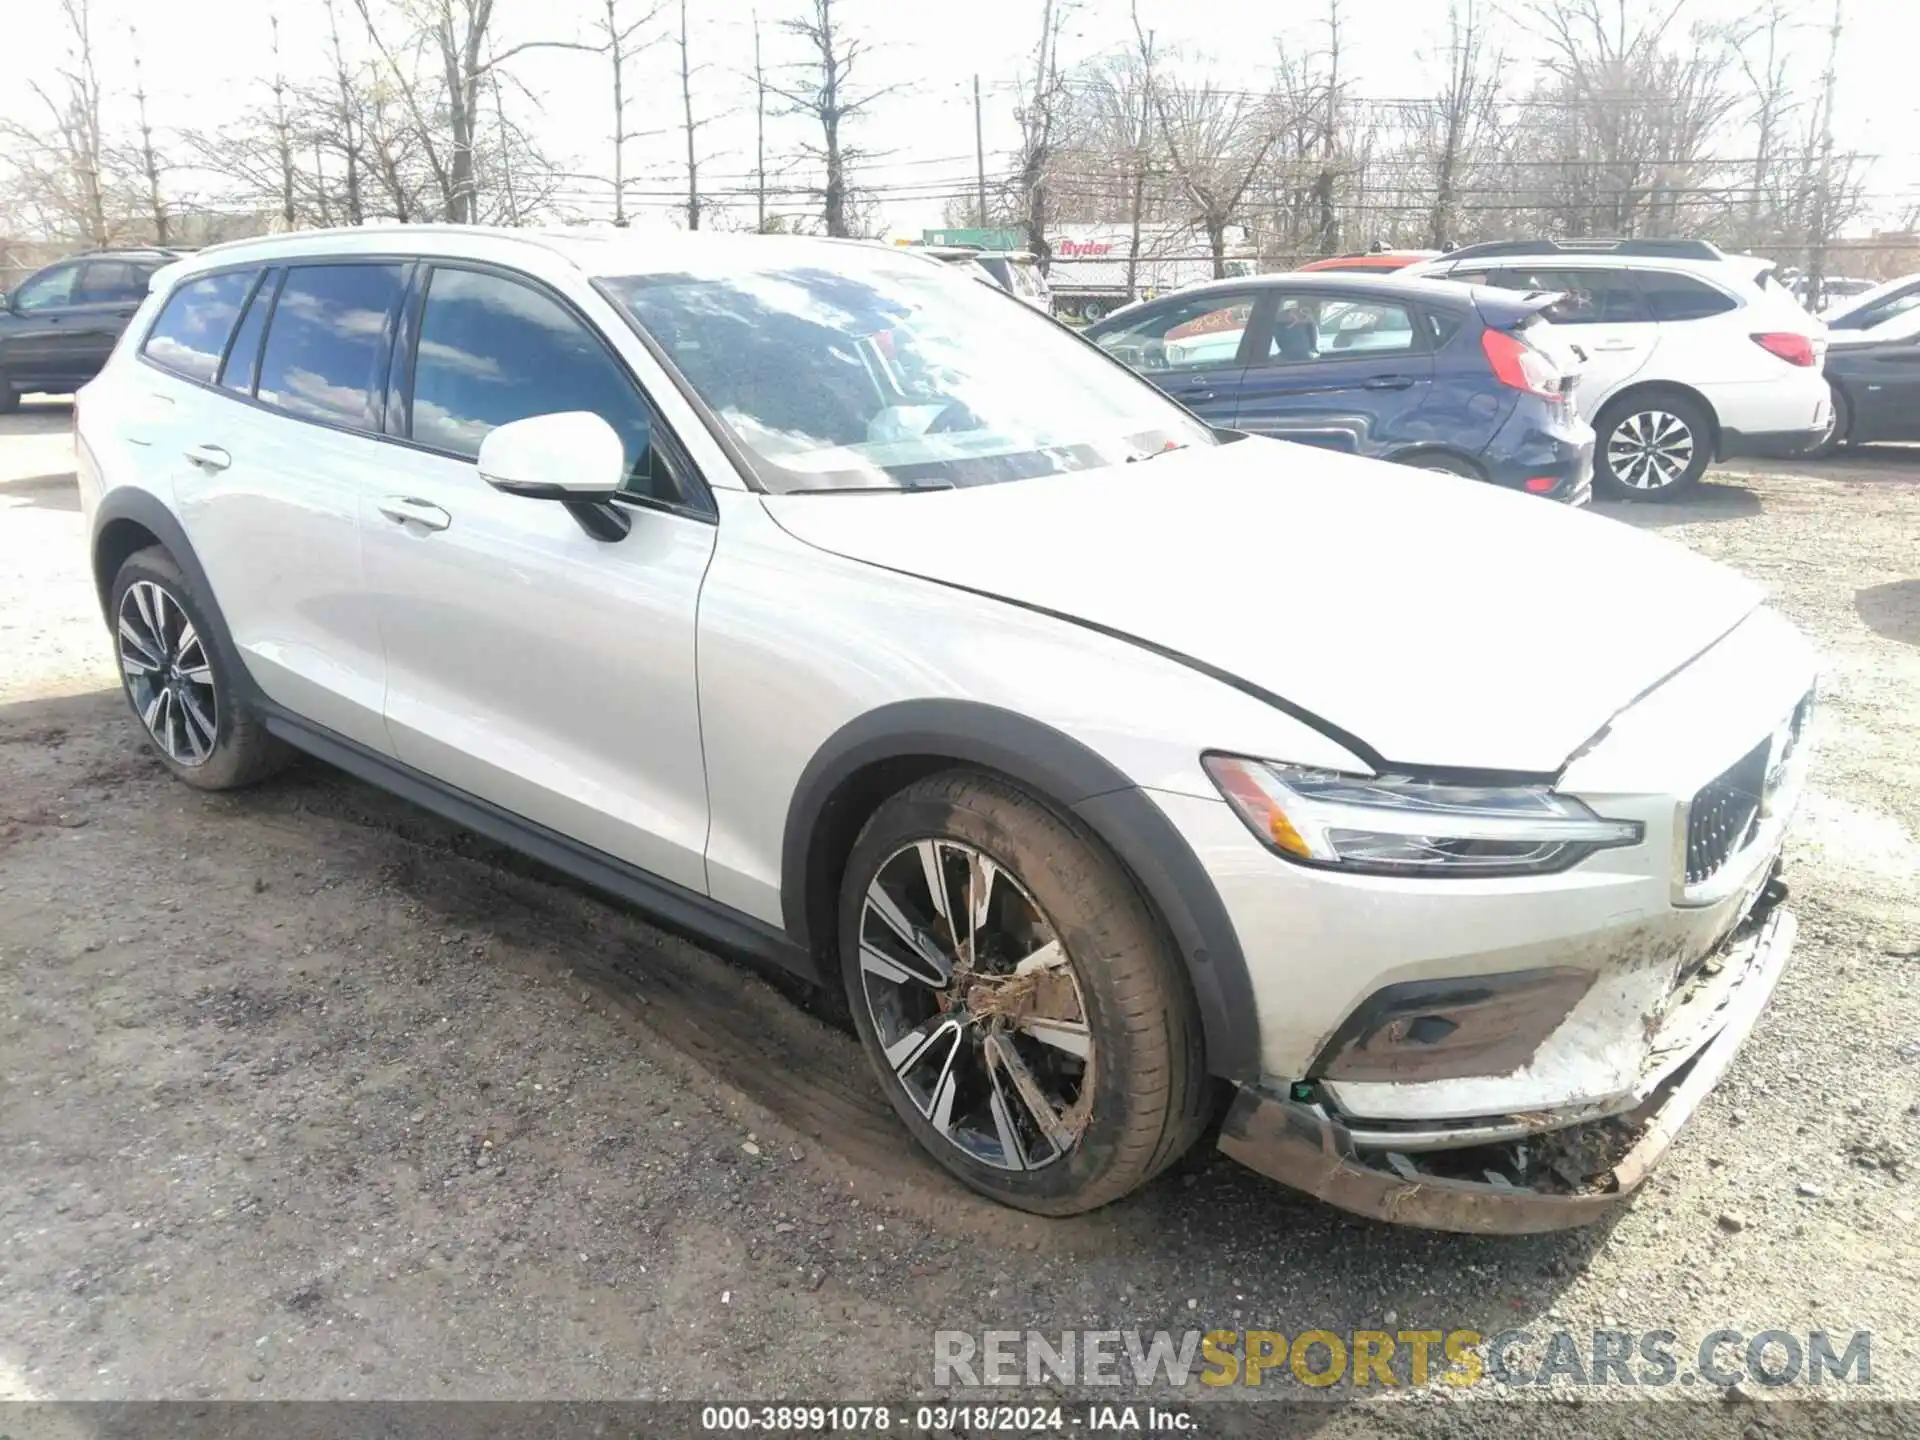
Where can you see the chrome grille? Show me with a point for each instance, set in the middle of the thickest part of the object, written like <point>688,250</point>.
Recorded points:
<point>1725,814</point>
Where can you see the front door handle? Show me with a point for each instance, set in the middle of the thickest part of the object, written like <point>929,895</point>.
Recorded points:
<point>208,457</point>
<point>1389,382</point>
<point>1192,394</point>
<point>405,510</point>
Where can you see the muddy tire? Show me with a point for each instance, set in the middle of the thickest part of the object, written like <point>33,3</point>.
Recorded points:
<point>179,679</point>
<point>1028,1019</point>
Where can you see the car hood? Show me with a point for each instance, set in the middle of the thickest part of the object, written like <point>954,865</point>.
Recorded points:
<point>1442,622</point>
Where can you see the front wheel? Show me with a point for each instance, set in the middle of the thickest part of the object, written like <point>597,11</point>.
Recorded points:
<point>1022,1008</point>
<point>1651,448</point>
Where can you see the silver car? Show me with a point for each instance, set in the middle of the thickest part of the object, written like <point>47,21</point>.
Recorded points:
<point>856,619</point>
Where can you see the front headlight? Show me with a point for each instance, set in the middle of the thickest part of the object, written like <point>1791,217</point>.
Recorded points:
<point>1395,825</point>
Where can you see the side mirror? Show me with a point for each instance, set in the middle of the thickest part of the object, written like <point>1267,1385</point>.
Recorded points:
<point>572,456</point>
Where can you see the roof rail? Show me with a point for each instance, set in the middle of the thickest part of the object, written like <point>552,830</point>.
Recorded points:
<point>1660,249</point>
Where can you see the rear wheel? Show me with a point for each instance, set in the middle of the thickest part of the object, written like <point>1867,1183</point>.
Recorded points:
<point>1651,447</point>
<point>1023,1010</point>
<point>9,397</point>
<point>1838,426</point>
<point>1093,310</point>
<point>180,681</point>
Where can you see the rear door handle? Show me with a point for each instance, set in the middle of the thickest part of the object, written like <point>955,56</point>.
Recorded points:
<point>1389,382</point>
<point>1613,347</point>
<point>208,457</point>
<point>405,510</point>
<point>1191,394</point>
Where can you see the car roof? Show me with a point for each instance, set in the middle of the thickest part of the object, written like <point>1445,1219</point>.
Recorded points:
<point>1746,266</point>
<point>1359,282</point>
<point>596,250</point>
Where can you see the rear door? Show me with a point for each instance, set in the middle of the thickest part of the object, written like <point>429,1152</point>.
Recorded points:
<point>105,295</point>
<point>1882,384</point>
<point>1601,311</point>
<point>281,449</point>
<point>1339,370</point>
<point>1194,347</point>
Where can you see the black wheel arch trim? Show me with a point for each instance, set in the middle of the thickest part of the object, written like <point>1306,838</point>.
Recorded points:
<point>139,507</point>
<point>1067,773</point>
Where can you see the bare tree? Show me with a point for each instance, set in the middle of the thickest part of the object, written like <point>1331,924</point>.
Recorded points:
<point>688,123</point>
<point>149,161</point>
<point>1039,115</point>
<point>1459,116</point>
<point>1328,176</point>
<point>349,131</point>
<point>1821,222</point>
<point>759,131</point>
<point>61,174</point>
<point>1216,141</point>
<point>282,130</point>
<point>621,45</point>
<point>824,91</point>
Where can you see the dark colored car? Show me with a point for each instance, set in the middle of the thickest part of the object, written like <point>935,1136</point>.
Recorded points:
<point>1873,367</point>
<point>58,325</point>
<point>1443,376</point>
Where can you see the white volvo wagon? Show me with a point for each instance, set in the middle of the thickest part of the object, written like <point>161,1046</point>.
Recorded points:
<point>1127,775</point>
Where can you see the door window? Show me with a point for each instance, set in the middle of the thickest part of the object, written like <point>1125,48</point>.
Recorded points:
<point>1596,296</point>
<point>191,333</point>
<point>47,289</point>
<point>325,356</point>
<point>494,350</point>
<point>1681,297</point>
<point>1329,327</point>
<point>1186,334</point>
<point>104,282</point>
<point>1887,308</point>
<point>243,355</point>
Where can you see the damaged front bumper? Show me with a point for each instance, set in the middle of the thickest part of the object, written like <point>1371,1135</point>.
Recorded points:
<point>1575,1173</point>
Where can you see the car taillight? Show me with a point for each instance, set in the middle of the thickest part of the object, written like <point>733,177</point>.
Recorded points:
<point>1519,366</point>
<point>1795,349</point>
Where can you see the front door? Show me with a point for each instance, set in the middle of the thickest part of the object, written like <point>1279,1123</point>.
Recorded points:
<point>528,663</point>
<point>46,333</point>
<point>1341,372</point>
<point>1191,347</point>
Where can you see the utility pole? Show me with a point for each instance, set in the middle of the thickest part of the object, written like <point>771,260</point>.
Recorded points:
<point>686,101</point>
<point>979,158</point>
<point>1822,219</point>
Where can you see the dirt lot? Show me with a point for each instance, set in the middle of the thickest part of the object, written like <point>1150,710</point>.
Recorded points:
<point>305,1094</point>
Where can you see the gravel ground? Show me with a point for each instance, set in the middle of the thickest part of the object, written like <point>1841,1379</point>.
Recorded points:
<point>304,1094</point>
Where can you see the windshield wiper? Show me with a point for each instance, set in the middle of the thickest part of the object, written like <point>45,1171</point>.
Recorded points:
<point>911,487</point>
<point>1154,454</point>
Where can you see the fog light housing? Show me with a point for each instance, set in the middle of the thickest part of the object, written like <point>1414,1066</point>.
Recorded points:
<point>1452,1029</point>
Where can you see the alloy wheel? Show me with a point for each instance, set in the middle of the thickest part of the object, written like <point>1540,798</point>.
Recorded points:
<point>1650,449</point>
<point>976,1005</point>
<point>168,673</point>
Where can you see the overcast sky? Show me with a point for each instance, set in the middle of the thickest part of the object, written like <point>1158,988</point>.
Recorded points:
<point>206,60</point>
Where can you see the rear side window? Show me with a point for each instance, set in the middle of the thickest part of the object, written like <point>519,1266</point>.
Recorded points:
<point>1594,296</point>
<point>1318,327</point>
<point>105,282</point>
<point>494,350</point>
<point>326,352</point>
<point>1681,297</point>
<point>191,334</point>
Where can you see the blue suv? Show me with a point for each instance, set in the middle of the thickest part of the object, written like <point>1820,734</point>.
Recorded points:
<point>1431,373</point>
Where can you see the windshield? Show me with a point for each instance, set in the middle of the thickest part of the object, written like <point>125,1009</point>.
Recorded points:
<point>877,374</point>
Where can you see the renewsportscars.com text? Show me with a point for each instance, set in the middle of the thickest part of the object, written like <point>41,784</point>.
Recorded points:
<point>1320,1359</point>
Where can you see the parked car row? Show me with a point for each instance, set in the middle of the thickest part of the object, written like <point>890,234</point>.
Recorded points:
<point>1674,353</point>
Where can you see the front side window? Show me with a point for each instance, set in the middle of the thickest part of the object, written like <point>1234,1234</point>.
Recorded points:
<point>47,289</point>
<point>494,350</point>
<point>1325,327</point>
<point>1681,297</point>
<point>1878,312</point>
<point>325,356</point>
<point>191,332</point>
<point>876,371</point>
<point>1185,334</point>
